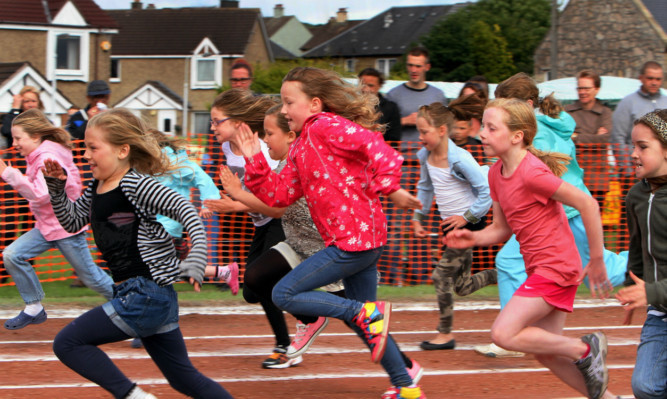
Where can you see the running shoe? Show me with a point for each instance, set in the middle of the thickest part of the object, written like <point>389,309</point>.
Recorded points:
<point>494,350</point>
<point>279,359</point>
<point>404,393</point>
<point>594,366</point>
<point>232,279</point>
<point>373,319</point>
<point>305,336</point>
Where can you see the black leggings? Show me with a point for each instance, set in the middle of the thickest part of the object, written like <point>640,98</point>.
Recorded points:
<point>76,346</point>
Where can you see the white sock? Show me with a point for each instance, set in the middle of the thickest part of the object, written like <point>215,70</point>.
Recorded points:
<point>33,309</point>
<point>223,272</point>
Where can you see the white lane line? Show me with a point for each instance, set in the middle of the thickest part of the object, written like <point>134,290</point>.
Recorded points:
<point>310,376</point>
<point>259,351</point>
<point>251,310</point>
<point>348,334</point>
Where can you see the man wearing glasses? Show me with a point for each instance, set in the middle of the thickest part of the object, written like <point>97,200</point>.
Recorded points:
<point>240,75</point>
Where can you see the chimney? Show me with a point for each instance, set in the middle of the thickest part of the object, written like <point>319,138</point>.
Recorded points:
<point>278,11</point>
<point>136,5</point>
<point>150,6</point>
<point>229,4</point>
<point>341,15</point>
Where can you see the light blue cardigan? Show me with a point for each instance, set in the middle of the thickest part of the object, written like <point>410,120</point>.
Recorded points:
<point>463,167</point>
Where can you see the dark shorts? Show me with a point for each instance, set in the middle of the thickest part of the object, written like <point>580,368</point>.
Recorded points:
<point>141,308</point>
<point>562,298</point>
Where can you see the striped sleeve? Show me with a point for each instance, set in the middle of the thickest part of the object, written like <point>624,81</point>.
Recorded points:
<point>72,215</point>
<point>151,198</point>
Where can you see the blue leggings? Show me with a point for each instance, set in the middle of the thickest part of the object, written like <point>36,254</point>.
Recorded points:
<point>76,346</point>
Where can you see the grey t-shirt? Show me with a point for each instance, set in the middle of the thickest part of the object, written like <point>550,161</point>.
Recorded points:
<point>409,100</point>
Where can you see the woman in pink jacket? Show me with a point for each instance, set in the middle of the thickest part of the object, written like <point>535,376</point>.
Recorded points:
<point>37,139</point>
<point>340,166</point>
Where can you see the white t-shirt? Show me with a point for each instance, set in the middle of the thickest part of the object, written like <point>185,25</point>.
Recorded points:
<point>452,195</point>
<point>236,164</point>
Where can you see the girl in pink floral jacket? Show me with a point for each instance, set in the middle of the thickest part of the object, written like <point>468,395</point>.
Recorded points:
<point>341,166</point>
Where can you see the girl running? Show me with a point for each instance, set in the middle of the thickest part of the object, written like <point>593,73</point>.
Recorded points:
<point>340,167</point>
<point>647,265</point>
<point>526,201</point>
<point>36,139</point>
<point>121,204</point>
<point>461,190</point>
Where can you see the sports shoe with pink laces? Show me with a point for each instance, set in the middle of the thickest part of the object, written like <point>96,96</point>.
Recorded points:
<point>373,319</point>
<point>232,279</point>
<point>305,336</point>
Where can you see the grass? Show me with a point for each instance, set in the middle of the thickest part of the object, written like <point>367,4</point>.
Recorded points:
<point>59,293</point>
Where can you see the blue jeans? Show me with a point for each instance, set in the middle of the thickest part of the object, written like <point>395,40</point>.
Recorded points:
<point>296,294</point>
<point>649,379</point>
<point>74,249</point>
<point>512,269</point>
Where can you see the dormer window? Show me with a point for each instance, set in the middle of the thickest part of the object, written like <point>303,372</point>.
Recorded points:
<point>206,66</point>
<point>68,54</point>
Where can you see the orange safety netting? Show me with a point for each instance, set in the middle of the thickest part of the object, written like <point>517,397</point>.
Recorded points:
<point>406,260</point>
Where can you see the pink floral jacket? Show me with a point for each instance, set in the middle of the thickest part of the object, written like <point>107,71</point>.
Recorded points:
<point>340,168</point>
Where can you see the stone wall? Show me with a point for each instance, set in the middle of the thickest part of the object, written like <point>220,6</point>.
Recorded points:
<point>613,37</point>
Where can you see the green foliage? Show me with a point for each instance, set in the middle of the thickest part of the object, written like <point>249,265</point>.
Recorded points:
<point>268,79</point>
<point>462,47</point>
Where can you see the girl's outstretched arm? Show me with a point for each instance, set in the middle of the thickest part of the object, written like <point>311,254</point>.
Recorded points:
<point>590,215</point>
<point>72,215</point>
<point>497,232</point>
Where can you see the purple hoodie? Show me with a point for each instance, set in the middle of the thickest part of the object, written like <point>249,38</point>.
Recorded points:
<point>32,186</point>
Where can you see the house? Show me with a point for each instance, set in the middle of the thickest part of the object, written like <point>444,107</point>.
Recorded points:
<point>324,32</point>
<point>382,40</point>
<point>287,33</point>
<point>613,37</point>
<point>65,39</point>
<point>161,52</point>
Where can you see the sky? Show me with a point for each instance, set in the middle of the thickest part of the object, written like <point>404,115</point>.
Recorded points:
<point>314,12</point>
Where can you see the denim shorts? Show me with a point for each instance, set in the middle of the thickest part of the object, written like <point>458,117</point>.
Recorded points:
<point>141,308</point>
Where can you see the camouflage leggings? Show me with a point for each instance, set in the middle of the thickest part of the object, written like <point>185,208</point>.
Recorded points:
<point>452,274</point>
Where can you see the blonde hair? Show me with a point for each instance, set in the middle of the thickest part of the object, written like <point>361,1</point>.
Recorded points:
<point>35,91</point>
<point>338,96</point>
<point>437,114</point>
<point>519,116</point>
<point>122,127</point>
<point>243,106</point>
<point>175,143</point>
<point>523,87</point>
<point>280,118</point>
<point>36,125</point>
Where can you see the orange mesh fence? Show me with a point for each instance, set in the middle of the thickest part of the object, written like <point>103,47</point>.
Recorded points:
<point>406,260</point>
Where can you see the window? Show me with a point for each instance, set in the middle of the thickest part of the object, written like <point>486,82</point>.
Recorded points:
<point>68,52</point>
<point>115,70</point>
<point>384,65</point>
<point>205,70</point>
<point>202,122</point>
<point>350,65</point>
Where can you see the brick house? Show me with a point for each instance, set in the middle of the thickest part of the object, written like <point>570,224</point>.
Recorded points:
<point>382,40</point>
<point>614,37</point>
<point>68,39</point>
<point>164,58</point>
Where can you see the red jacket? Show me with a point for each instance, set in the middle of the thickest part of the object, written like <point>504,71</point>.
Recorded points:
<point>340,168</point>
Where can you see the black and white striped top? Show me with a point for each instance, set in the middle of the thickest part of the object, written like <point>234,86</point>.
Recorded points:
<point>149,198</point>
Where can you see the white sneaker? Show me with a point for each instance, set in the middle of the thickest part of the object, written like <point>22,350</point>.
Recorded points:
<point>494,350</point>
<point>138,393</point>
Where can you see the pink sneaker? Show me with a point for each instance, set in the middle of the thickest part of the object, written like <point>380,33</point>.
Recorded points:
<point>415,372</point>
<point>232,279</point>
<point>305,336</point>
<point>404,393</point>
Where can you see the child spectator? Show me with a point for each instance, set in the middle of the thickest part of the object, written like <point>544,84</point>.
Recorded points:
<point>647,264</point>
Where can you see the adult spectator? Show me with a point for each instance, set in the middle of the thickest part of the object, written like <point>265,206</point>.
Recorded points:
<point>240,75</point>
<point>470,87</point>
<point>98,95</point>
<point>633,106</point>
<point>593,128</point>
<point>371,81</point>
<point>28,98</point>
<point>414,93</point>
<point>409,97</point>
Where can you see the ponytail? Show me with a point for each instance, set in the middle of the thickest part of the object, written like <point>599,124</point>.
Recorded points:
<point>551,107</point>
<point>556,162</point>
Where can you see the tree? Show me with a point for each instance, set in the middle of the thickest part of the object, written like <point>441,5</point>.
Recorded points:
<point>521,24</point>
